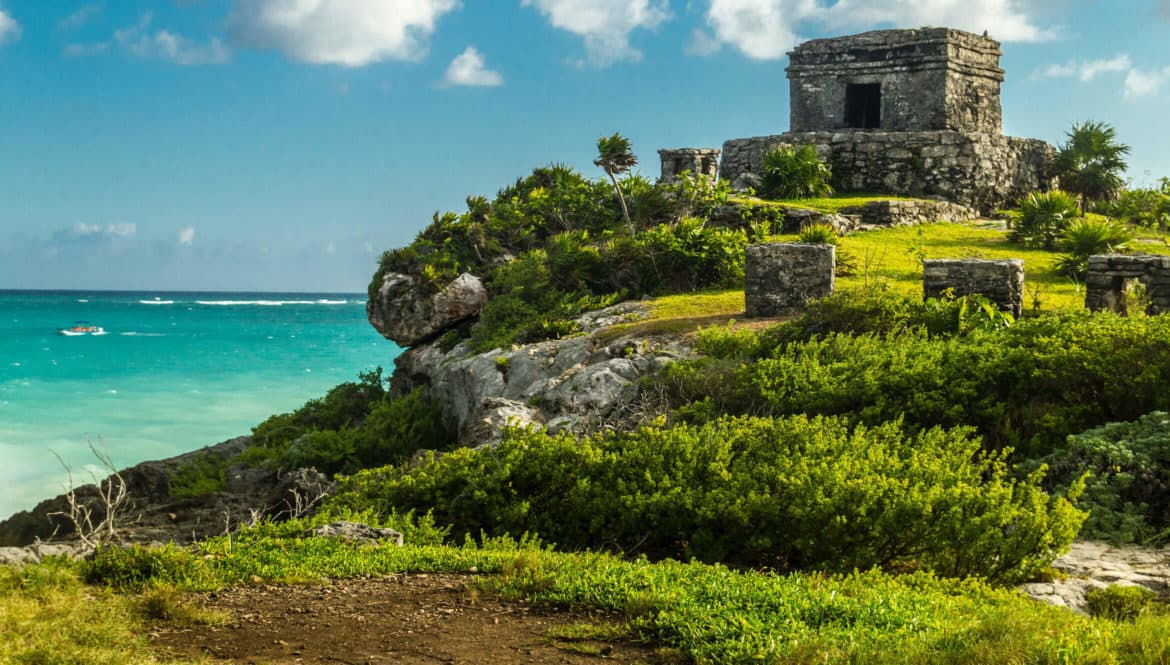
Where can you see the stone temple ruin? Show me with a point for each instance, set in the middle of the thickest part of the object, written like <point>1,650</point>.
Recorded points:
<point>909,112</point>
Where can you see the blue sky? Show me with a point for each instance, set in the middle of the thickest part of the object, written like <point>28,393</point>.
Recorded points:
<point>283,144</point>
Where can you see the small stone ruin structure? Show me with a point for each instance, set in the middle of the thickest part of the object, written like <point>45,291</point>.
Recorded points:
<point>912,112</point>
<point>1112,278</point>
<point>699,161</point>
<point>780,278</point>
<point>1001,282</point>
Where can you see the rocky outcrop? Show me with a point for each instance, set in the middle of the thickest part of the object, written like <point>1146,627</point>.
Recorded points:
<point>1090,565</point>
<point>407,313</point>
<point>356,532</point>
<point>153,515</point>
<point>575,384</point>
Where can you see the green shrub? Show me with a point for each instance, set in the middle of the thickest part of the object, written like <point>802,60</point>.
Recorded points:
<point>1141,207</point>
<point>1027,386</point>
<point>1042,218</point>
<point>818,234</point>
<point>345,405</point>
<point>1085,237</point>
<point>203,475</point>
<point>1119,603</point>
<point>789,493</point>
<point>789,173</point>
<point>696,195</point>
<point>1127,492</point>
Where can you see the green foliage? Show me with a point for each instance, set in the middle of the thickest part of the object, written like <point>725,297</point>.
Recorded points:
<point>818,234</point>
<point>1042,217</point>
<point>1085,237</point>
<point>697,195</point>
<point>1091,161</point>
<point>1127,492</point>
<point>1027,386</point>
<point>345,405</point>
<point>1119,603</point>
<point>791,493</point>
<point>205,474</point>
<point>795,174</point>
<point>1142,206</point>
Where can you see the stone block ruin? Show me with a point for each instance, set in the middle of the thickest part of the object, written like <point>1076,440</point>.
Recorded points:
<point>1113,280</point>
<point>1001,282</point>
<point>699,161</point>
<point>910,112</point>
<point>780,278</point>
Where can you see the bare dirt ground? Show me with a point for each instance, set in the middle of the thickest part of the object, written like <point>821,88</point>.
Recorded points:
<point>410,619</point>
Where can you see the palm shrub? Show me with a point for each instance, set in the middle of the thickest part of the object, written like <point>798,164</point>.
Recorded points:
<point>1091,161</point>
<point>795,174</point>
<point>1085,237</point>
<point>818,234</point>
<point>1042,217</point>
<point>615,156</point>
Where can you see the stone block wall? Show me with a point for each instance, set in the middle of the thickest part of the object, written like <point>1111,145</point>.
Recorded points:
<point>699,161</point>
<point>877,214</point>
<point>780,278</point>
<point>983,171</point>
<point>1001,282</point>
<point>930,79</point>
<point>1112,276</point>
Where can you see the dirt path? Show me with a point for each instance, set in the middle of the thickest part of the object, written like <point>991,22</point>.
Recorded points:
<point>408,619</point>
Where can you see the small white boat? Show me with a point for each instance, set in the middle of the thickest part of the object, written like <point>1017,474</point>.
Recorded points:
<point>81,328</point>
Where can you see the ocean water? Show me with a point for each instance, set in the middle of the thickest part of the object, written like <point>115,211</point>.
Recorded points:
<point>174,372</point>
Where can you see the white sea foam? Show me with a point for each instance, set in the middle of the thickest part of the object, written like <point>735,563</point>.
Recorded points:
<point>268,303</point>
<point>157,301</point>
<point>142,334</point>
<point>82,300</point>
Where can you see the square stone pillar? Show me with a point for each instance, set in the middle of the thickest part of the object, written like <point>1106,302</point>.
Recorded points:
<point>780,278</point>
<point>1001,282</point>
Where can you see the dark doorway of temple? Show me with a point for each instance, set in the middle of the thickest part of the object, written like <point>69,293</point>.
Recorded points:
<point>863,105</point>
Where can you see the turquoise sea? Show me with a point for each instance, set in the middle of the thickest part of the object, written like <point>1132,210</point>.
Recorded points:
<point>174,372</point>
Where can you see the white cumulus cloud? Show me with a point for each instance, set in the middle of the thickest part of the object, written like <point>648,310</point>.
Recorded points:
<point>165,45</point>
<point>469,69</point>
<point>1140,83</point>
<point>9,28</point>
<point>605,25</point>
<point>187,235</point>
<point>1087,70</point>
<point>768,29</point>
<point>352,33</point>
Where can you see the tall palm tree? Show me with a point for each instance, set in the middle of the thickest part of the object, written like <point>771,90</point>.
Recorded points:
<point>1090,163</point>
<point>614,156</point>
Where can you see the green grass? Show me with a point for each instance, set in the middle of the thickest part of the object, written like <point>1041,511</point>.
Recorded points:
<point>709,613</point>
<point>824,204</point>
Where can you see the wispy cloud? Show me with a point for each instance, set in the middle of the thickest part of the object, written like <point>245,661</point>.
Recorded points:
<point>141,42</point>
<point>9,28</point>
<point>469,69</point>
<point>1140,83</point>
<point>187,236</point>
<point>82,233</point>
<point>1086,70</point>
<point>605,25</point>
<point>339,32</point>
<point>80,17</point>
<point>87,49</point>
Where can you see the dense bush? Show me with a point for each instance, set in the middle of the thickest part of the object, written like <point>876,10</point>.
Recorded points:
<point>1085,237</point>
<point>788,493</point>
<point>355,426</point>
<point>789,173</point>
<point>1042,217</point>
<point>1119,603</point>
<point>1127,493</point>
<point>1142,207</point>
<point>1027,386</point>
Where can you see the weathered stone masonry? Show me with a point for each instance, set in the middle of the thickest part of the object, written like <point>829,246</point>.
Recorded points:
<point>1112,276</point>
<point>913,112</point>
<point>780,278</point>
<point>1001,282</point>
<point>699,161</point>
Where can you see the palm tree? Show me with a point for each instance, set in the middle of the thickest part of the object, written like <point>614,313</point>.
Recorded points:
<point>1090,163</point>
<point>614,156</point>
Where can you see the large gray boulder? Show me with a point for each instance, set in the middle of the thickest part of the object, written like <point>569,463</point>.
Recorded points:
<point>578,384</point>
<point>408,314</point>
